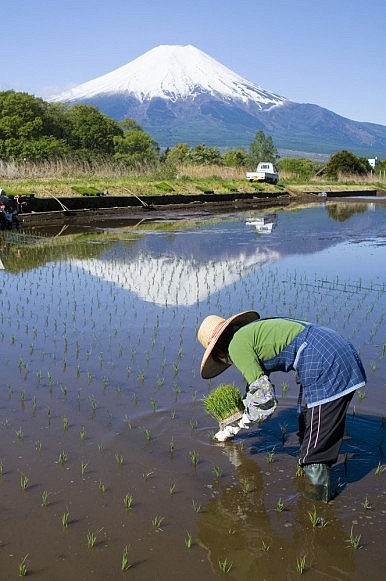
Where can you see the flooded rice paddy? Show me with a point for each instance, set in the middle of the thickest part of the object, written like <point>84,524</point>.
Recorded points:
<point>108,469</point>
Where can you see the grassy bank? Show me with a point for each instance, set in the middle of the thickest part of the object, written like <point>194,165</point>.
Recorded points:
<point>67,180</point>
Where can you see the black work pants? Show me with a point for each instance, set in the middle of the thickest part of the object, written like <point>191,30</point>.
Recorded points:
<point>321,431</point>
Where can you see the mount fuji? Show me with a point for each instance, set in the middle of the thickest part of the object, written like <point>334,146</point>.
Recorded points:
<point>179,94</point>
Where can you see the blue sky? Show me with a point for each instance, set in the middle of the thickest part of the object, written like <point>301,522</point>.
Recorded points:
<point>328,52</point>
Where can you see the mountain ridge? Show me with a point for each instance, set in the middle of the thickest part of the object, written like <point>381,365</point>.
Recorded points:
<point>179,94</point>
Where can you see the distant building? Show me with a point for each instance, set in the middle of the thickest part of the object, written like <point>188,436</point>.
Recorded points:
<point>373,161</point>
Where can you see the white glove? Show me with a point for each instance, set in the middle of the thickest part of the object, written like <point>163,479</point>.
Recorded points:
<point>233,429</point>
<point>227,433</point>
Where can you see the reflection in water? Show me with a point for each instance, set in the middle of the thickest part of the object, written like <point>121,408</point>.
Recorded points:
<point>263,224</point>
<point>164,280</point>
<point>341,213</point>
<point>236,525</point>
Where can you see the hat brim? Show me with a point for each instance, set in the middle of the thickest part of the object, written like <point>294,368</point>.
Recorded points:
<point>211,367</point>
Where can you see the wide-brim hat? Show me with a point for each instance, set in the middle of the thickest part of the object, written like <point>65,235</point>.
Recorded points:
<point>209,333</point>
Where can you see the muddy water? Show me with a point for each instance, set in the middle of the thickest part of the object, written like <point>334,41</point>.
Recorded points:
<point>100,402</point>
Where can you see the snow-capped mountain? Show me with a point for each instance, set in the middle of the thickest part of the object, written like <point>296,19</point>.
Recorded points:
<point>179,94</point>
<point>173,73</point>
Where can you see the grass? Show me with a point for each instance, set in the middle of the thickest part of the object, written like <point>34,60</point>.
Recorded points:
<point>69,179</point>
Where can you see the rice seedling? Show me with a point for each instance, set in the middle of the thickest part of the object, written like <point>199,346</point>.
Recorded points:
<point>82,434</point>
<point>271,456</point>
<point>245,485</point>
<point>316,521</point>
<point>265,546</point>
<point>284,388</point>
<point>65,424</point>
<point>300,565</point>
<point>119,459</point>
<point>93,403</point>
<point>1,468</point>
<point>83,468</point>
<point>217,471</point>
<point>92,538</point>
<point>196,506</point>
<point>188,540</point>
<point>299,471</point>
<point>224,402</point>
<point>65,519</point>
<point>24,480</point>
<point>380,469</point>
<point>128,501</point>
<point>154,405</point>
<point>194,457</point>
<point>157,522</point>
<point>354,541</point>
<point>225,566</point>
<point>44,499</point>
<point>147,475</point>
<point>361,394</point>
<point>62,458</point>
<point>283,432</point>
<point>23,566</point>
<point>280,505</point>
<point>102,487</point>
<point>20,434</point>
<point>125,560</point>
<point>366,504</point>
<point>193,425</point>
<point>171,446</point>
<point>147,435</point>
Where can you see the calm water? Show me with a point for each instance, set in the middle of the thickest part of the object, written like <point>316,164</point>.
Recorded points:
<point>101,396</point>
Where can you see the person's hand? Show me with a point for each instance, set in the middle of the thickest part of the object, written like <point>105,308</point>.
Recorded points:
<point>227,433</point>
<point>232,430</point>
<point>260,401</point>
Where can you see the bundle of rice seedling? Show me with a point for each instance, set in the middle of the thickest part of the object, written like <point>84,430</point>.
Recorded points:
<point>225,404</point>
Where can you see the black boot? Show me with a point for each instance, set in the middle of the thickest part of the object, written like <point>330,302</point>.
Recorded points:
<point>319,485</point>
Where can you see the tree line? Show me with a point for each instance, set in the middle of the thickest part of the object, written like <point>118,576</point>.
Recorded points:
<point>35,130</point>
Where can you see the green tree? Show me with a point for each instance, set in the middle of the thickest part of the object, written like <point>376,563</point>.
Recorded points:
<point>177,155</point>
<point>262,149</point>
<point>136,147</point>
<point>28,129</point>
<point>346,163</point>
<point>235,158</point>
<point>90,130</point>
<point>204,155</point>
<point>298,167</point>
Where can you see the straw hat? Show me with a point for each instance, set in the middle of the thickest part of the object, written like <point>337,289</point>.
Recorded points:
<point>210,331</point>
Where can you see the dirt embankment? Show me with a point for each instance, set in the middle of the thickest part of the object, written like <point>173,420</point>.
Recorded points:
<point>91,208</point>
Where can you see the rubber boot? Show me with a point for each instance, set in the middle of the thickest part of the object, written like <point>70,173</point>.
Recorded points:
<point>319,485</point>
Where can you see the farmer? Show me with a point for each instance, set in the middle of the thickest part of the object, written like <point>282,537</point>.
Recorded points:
<point>327,367</point>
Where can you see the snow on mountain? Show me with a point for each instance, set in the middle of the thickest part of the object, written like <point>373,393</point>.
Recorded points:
<point>171,73</point>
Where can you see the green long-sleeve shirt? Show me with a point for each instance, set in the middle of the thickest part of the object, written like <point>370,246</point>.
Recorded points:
<point>260,341</point>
